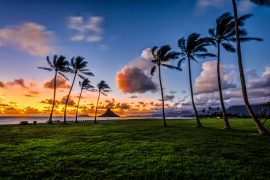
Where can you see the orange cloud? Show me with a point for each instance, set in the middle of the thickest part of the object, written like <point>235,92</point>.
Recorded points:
<point>60,83</point>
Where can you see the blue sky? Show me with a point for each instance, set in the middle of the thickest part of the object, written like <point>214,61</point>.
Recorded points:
<point>127,28</point>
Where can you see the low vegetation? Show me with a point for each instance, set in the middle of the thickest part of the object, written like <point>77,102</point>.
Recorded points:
<point>135,149</point>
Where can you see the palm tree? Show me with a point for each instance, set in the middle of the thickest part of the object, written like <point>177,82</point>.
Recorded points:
<point>221,35</point>
<point>59,65</point>
<point>85,85</point>
<point>102,87</point>
<point>78,67</point>
<point>262,130</point>
<point>161,58</point>
<point>191,49</point>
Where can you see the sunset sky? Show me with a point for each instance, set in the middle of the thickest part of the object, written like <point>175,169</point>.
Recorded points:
<point>114,36</point>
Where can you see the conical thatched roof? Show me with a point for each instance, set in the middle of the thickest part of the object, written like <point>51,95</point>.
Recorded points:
<point>109,113</point>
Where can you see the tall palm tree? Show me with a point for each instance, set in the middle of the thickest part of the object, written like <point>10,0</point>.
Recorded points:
<point>78,67</point>
<point>161,58</point>
<point>102,88</point>
<point>85,85</point>
<point>191,49</point>
<point>262,130</point>
<point>221,35</point>
<point>59,65</point>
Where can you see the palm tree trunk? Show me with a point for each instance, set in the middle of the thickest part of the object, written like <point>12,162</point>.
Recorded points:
<point>162,97</point>
<point>65,112</point>
<point>226,121</point>
<point>95,121</point>
<point>258,124</point>
<point>54,94</point>
<point>76,118</point>
<point>192,96</point>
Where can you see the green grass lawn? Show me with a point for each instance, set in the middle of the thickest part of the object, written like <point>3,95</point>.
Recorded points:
<point>137,149</point>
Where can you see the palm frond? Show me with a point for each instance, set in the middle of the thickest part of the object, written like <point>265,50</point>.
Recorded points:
<point>228,47</point>
<point>205,55</point>
<point>49,62</point>
<point>63,75</point>
<point>182,45</point>
<point>170,55</point>
<point>179,64</point>
<point>153,51</point>
<point>245,39</point>
<point>46,69</point>
<point>81,76</point>
<point>153,70</point>
<point>163,50</point>
<point>172,67</point>
<point>88,73</point>
<point>104,93</point>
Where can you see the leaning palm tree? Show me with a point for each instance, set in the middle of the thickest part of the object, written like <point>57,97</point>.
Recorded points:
<point>78,67</point>
<point>161,58</point>
<point>85,85</point>
<point>102,88</point>
<point>59,65</point>
<point>262,130</point>
<point>191,49</point>
<point>221,35</point>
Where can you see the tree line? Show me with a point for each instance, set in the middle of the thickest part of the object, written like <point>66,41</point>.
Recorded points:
<point>78,67</point>
<point>229,29</point>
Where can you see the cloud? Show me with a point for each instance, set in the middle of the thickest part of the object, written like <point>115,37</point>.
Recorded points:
<point>207,81</point>
<point>29,95</point>
<point>134,80</point>
<point>2,85</point>
<point>260,86</point>
<point>168,98</point>
<point>60,83</point>
<point>133,97</point>
<point>18,82</point>
<point>87,29</point>
<point>210,3</point>
<point>29,37</point>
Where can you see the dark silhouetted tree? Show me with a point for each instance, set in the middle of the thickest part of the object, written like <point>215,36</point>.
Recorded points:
<point>191,49</point>
<point>262,130</point>
<point>59,65</point>
<point>85,85</point>
<point>102,88</point>
<point>162,56</point>
<point>78,68</point>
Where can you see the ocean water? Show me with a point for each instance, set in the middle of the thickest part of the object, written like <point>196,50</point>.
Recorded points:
<point>16,120</point>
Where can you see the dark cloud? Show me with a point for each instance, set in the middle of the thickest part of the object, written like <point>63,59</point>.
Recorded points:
<point>29,95</point>
<point>168,98</point>
<point>134,80</point>
<point>18,82</point>
<point>133,97</point>
<point>2,85</point>
<point>60,83</point>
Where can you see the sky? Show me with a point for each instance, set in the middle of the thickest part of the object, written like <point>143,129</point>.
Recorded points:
<point>115,38</point>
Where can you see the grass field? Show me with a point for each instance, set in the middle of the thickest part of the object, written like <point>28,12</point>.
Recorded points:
<point>137,149</point>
